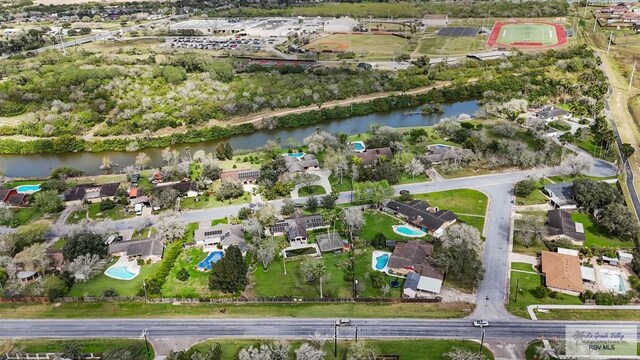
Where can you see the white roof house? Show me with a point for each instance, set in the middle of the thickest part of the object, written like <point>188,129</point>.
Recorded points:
<point>625,257</point>
<point>588,274</point>
<point>567,251</point>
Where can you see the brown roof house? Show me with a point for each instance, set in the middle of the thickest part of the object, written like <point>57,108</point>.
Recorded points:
<point>147,249</point>
<point>560,225</point>
<point>413,259</point>
<point>13,198</point>
<point>295,228</point>
<point>246,176</point>
<point>562,272</point>
<point>371,156</point>
<point>91,192</point>
<point>223,235</point>
<point>299,165</point>
<point>422,215</point>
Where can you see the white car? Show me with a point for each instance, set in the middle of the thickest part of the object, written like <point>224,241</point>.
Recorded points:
<point>480,323</point>
<point>343,322</point>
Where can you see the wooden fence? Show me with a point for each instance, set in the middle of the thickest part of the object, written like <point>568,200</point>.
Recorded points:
<point>241,300</point>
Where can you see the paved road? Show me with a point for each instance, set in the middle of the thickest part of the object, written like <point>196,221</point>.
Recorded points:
<point>282,327</point>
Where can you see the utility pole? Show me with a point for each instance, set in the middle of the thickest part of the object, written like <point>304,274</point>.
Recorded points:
<point>144,285</point>
<point>517,288</point>
<point>356,333</point>
<point>610,38</point>
<point>145,332</point>
<point>586,5</point>
<point>481,342</point>
<point>64,51</point>
<point>632,73</point>
<point>335,340</point>
<point>284,262</point>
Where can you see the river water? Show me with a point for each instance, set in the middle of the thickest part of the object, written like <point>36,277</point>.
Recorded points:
<point>41,165</point>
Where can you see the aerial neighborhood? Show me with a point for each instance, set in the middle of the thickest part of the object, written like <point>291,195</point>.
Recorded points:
<point>312,180</point>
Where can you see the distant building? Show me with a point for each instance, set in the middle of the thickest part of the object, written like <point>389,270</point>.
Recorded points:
<point>435,20</point>
<point>559,225</point>
<point>11,198</point>
<point>147,249</point>
<point>246,176</point>
<point>553,114</point>
<point>296,166</point>
<point>91,192</point>
<point>184,188</point>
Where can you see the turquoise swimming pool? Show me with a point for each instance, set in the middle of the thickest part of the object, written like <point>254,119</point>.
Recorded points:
<point>213,257</point>
<point>28,189</point>
<point>358,146</point>
<point>407,231</point>
<point>381,261</point>
<point>120,273</point>
<point>296,155</point>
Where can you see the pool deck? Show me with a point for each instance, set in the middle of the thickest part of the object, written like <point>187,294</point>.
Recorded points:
<point>132,267</point>
<point>413,228</point>
<point>374,256</point>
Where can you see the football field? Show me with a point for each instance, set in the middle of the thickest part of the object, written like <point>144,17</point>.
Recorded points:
<point>527,34</point>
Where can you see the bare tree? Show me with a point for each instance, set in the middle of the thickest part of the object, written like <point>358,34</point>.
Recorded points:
<point>415,167</point>
<point>34,257</point>
<point>318,340</point>
<point>384,290</point>
<point>459,233</point>
<point>463,354</point>
<point>576,164</point>
<point>280,350</point>
<point>83,267</point>
<point>267,214</point>
<point>338,162</point>
<point>171,227</point>
<point>360,351</point>
<point>308,352</point>
<point>353,220</point>
<point>254,228</point>
<point>256,353</point>
<point>266,253</point>
<point>530,230</point>
<point>318,141</point>
<point>142,160</point>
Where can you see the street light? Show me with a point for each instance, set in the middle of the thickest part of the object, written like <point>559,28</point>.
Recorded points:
<point>144,334</point>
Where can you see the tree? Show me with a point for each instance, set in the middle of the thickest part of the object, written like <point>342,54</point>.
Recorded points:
<point>576,164</point>
<point>329,201</point>
<point>353,221</point>
<point>318,340</point>
<point>84,241</point>
<point>530,230</point>
<point>266,215</point>
<point>627,150</point>
<point>280,350</point>
<point>379,241</point>
<point>72,350</point>
<point>263,352</point>
<point>524,187</point>
<point>24,236</point>
<point>6,215</point>
<point>253,227</point>
<point>165,197</point>
<point>230,273</point>
<point>229,189</point>
<point>142,160</point>
<point>360,351</point>
<point>337,161</point>
<point>306,180</point>
<point>244,213</point>
<point>308,352</point>
<point>314,270</point>
<point>171,227</point>
<point>266,252</point>
<point>58,185</point>
<point>415,167</point>
<point>221,153</point>
<point>463,354</point>
<point>592,195</point>
<point>288,207</point>
<point>48,201</point>
<point>618,220</point>
<point>459,256</point>
<point>83,267</point>
<point>183,275</point>
<point>372,192</point>
<point>311,204</point>
<point>66,172</point>
<point>34,257</point>
<point>228,151</point>
<point>320,140</point>
<point>107,204</point>
<point>403,57</point>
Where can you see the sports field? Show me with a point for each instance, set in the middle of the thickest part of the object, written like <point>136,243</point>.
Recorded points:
<point>527,35</point>
<point>367,45</point>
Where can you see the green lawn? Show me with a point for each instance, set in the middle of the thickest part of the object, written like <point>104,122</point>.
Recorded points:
<point>531,250</point>
<point>527,32</point>
<point>77,216</point>
<point>197,286</point>
<point>59,244</point>
<point>475,221</point>
<point>560,125</point>
<point>527,284</point>
<point>586,315</point>
<point>430,349</point>
<point>311,190</point>
<point>16,183</point>
<point>460,201</point>
<point>522,266</point>
<point>26,215</point>
<point>589,145</point>
<point>408,179</point>
<point>379,222</point>
<point>596,235</point>
<point>337,187</point>
<point>440,45</point>
<point>206,202</point>
<point>87,345</point>
<point>143,234</point>
<point>116,213</point>
<point>215,222</point>
<point>536,196</point>
<point>100,282</point>
<point>127,309</point>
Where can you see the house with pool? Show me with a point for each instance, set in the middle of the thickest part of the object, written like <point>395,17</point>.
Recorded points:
<point>421,217</point>
<point>371,157</point>
<point>128,252</point>
<point>13,198</point>
<point>296,163</point>
<point>220,237</point>
<point>91,192</point>
<point>414,261</point>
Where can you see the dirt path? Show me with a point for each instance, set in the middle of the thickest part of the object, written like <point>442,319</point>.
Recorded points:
<point>255,118</point>
<point>619,104</point>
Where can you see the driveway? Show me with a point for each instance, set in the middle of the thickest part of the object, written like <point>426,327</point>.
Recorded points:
<point>323,181</point>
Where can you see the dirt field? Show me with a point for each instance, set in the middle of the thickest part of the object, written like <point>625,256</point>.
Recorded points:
<point>369,46</point>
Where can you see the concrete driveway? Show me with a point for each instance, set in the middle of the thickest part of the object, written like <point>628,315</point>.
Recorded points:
<point>323,181</point>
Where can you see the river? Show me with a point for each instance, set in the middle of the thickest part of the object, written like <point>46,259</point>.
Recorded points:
<point>41,165</point>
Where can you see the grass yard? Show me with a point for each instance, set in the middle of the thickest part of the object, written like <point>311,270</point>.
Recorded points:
<point>97,285</point>
<point>440,45</point>
<point>87,345</point>
<point>378,222</point>
<point>130,309</point>
<point>527,284</point>
<point>23,216</point>
<point>522,266</point>
<point>337,186</point>
<point>311,190</point>
<point>197,286</point>
<point>462,201</point>
<point>430,349</point>
<point>596,235</point>
<point>366,46</point>
<point>59,244</point>
<point>589,145</point>
<point>587,315</point>
<point>206,202</point>
<point>75,217</point>
<point>408,179</point>
<point>143,234</point>
<point>531,250</point>
<point>117,213</point>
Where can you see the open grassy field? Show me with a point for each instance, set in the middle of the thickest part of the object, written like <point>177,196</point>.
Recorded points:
<point>101,282</point>
<point>140,309</point>
<point>440,45</point>
<point>586,315</point>
<point>469,205</point>
<point>526,284</point>
<point>431,349</point>
<point>596,235</point>
<point>365,45</point>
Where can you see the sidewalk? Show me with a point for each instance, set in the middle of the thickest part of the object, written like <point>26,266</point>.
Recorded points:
<point>531,308</point>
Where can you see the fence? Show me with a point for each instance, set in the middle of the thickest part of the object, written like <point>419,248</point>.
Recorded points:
<point>242,300</point>
<point>45,356</point>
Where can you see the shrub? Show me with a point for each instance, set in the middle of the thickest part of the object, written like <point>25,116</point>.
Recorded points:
<point>107,204</point>
<point>379,241</point>
<point>541,292</point>
<point>183,275</point>
<point>66,172</point>
<point>378,279</point>
<point>109,292</point>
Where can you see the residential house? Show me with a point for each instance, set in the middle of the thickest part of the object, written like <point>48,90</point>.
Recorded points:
<point>561,195</point>
<point>296,227</point>
<point>553,114</point>
<point>300,165</point>
<point>625,257</point>
<point>415,257</point>
<point>91,192</point>
<point>222,235</point>
<point>12,198</point>
<point>372,156</point>
<point>246,176</point>
<point>27,276</point>
<point>562,272</point>
<point>157,177</point>
<point>422,215</point>
<point>436,154</point>
<point>329,242</point>
<point>147,249</point>
<point>560,225</point>
<point>184,188</point>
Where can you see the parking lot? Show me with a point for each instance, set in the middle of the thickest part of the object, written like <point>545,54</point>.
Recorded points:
<point>226,43</point>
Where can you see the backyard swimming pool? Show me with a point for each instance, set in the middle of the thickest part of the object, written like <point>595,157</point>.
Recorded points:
<point>28,189</point>
<point>296,155</point>
<point>612,281</point>
<point>120,272</point>
<point>440,146</point>
<point>379,260</point>
<point>408,231</point>
<point>213,257</point>
<point>358,146</point>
